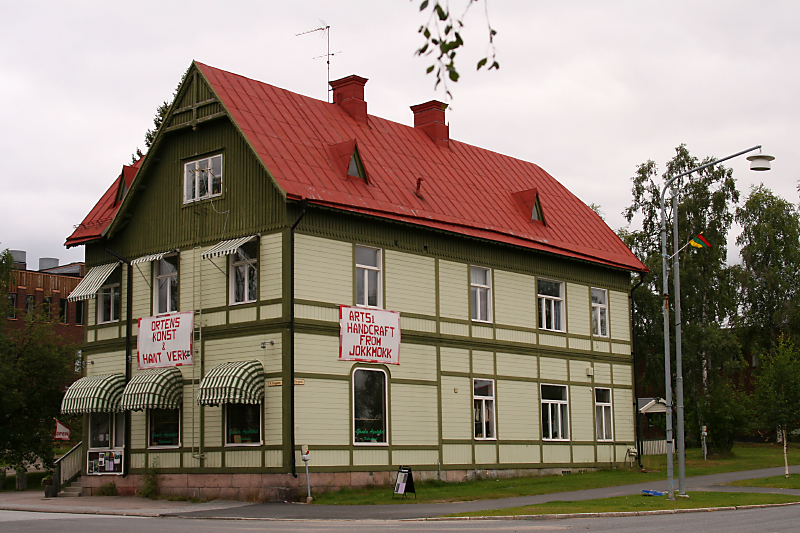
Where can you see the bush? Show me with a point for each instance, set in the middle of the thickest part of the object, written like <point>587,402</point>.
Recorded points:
<point>109,489</point>
<point>150,487</point>
<point>727,415</point>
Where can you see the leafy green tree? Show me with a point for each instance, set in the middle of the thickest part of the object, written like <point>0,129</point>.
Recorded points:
<point>442,33</point>
<point>35,367</point>
<point>777,391</point>
<point>711,352</point>
<point>770,241</point>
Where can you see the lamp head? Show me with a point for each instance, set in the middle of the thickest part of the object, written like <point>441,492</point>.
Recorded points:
<point>760,161</point>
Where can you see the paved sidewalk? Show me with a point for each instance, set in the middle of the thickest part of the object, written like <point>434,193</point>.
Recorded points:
<point>135,506</point>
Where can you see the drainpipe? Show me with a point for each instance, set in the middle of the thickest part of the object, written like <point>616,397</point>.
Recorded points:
<point>303,205</point>
<point>126,459</point>
<point>635,387</point>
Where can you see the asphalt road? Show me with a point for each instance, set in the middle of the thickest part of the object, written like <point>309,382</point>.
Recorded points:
<point>776,519</point>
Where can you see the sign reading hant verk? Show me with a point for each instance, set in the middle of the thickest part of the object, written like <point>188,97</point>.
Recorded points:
<point>165,340</point>
<point>369,335</point>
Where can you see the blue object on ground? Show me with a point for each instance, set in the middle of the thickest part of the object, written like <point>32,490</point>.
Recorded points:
<point>653,493</point>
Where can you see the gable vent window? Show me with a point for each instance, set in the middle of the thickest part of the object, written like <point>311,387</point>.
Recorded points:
<point>356,167</point>
<point>536,210</point>
<point>202,179</point>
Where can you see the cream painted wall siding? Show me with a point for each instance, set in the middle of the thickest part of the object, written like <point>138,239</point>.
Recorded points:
<point>511,364</point>
<point>457,454</point>
<point>213,460</point>
<point>138,429</point>
<point>415,457</point>
<point>105,363</point>
<point>482,363</point>
<point>327,457</point>
<point>550,368</point>
<point>602,373</point>
<point>577,370</point>
<point>107,333</point>
<point>579,344</point>
<point>552,340</point>
<point>273,458</point>
<point>552,453</point>
<point>410,283</point>
<point>273,416</point>
<point>619,348</point>
<point>517,410</point>
<point>137,460</point>
<point>417,361</point>
<point>324,270</point>
<point>142,294</point>
<point>242,314</point>
<point>601,346</point>
<point>245,349</point>
<point>453,290</point>
<point>456,408</point>
<point>319,354</point>
<point>622,375</point>
<point>213,426</point>
<point>213,282</point>
<point>583,454</point>
<point>323,412</point>
<point>315,312</point>
<point>414,415</point>
<point>270,265</point>
<point>91,311</point>
<point>519,453</point>
<point>417,324</point>
<point>454,359</point>
<point>623,415</point>
<point>578,309</point>
<point>270,311</point>
<point>164,460</point>
<point>482,332</point>
<point>90,336</point>
<point>190,414</point>
<point>189,461</point>
<point>619,328</point>
<point>485,454</point>
<point>370,457</point>
<point>514,299</point>
<point>605,453</point>
<point>242,458</point>
<point>515,335</point>
<point>453,328</point>
<point>581,411</point>
<point>213,319</point>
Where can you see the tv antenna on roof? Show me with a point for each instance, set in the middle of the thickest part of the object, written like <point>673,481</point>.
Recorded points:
<point>325,28</point>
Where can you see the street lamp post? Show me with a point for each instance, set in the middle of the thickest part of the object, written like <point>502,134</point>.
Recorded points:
<point>758,162</point>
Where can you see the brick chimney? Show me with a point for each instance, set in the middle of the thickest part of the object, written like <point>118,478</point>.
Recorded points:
<point>349,93</point>
<point>429,117</point>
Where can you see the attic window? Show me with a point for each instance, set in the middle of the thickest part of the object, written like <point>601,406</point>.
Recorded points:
<point>202,179</point>
<point>529,205</point>
<point>356,168</point>
<point>122,191</point>
<point>536,210</point>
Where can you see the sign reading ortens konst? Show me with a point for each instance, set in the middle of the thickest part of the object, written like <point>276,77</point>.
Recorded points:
<point>369,335</point>
<point>165,340</point>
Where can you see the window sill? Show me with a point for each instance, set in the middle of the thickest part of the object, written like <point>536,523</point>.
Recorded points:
<point>606,441</point>
<point>243,444</point>
<point>203,199</point>
<point>478,321</point>
<point>379,308</point>
<point>555,440</point>
<point>107,323</point>
<point>244,303</point>
<point>381,444</point>
<point>545,330</point>
<point>177,447</point>
<point>487,439</point>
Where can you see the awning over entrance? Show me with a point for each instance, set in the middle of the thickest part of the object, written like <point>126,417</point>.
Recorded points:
<point>94,394</point>
<point>155,388</point>
<point>92,282</point>
<point>226,247</point>
<point>151,257</point>
<point>652,405</point>
<point>234,382</point>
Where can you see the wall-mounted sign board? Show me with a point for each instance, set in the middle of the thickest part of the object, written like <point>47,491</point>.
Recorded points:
<point>369,335</point>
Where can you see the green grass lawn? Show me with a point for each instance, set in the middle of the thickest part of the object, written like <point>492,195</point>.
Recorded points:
<point>774,482</point>
<point>641,503</point>
<point>743,457</point>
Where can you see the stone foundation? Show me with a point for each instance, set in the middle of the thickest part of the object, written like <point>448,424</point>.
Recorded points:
<point>285,487</point>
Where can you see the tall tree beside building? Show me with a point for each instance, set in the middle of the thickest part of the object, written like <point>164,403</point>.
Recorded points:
<point>35,367</point>
<point>711,352</point>
<point>770,295</point>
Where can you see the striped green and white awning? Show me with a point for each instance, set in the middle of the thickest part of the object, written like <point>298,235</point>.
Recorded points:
<point>92,282</point>
<point>154,388</point>
<point>234,382</point>
<point>151,257</point>
<point>94,394</point>
<point>226,247</point>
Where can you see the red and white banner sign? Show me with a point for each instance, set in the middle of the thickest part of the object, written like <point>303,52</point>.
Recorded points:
<point>165,340</point>
<point>62,431</point>
<point>369,335</point>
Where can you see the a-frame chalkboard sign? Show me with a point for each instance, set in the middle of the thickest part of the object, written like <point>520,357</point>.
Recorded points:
<point>405,482</point>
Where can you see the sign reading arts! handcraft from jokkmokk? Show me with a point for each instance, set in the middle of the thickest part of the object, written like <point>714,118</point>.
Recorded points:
<point>369,335</point>
<point>165,340</point>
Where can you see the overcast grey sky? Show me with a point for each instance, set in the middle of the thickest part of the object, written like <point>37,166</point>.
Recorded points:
<point>588,90</point>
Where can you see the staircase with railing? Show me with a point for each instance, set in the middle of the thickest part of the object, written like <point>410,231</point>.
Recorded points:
<point>68,467</point>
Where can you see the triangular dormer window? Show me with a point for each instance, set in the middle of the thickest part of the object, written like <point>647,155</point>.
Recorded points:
<point>356,167</point>
<point>122,190</point>
<point>528,203</point>
<point>536,210</point>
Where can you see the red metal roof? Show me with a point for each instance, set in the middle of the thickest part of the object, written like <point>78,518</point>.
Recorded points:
<point>465,189</point>
<point>104,211</point>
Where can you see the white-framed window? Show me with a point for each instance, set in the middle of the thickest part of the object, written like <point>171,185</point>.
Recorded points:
<point>165,289</point>
<point>202,179</point>
<point>108,299</point>
<point>480,285</point>
<point>599,312</point>
<point>106,430</point>
<point>483,408</point>
<point>369,406</point>
<point>602,414</point>
<point>243,424</point>
<point>368,277</point>
<point>555,412</point>
<point>164,428</point>
<point>551,305</point>
<point>244,273</point>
